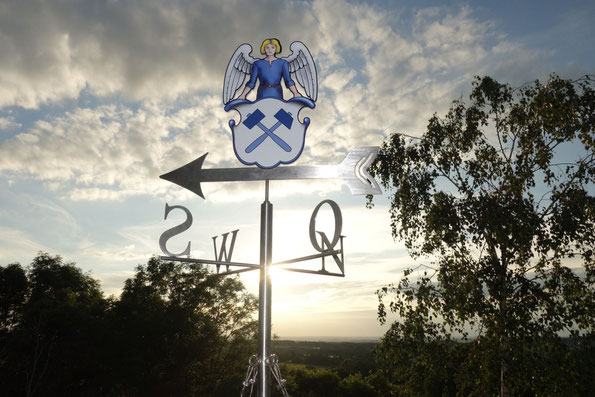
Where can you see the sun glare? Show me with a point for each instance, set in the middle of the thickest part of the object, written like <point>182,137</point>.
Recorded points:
<point>282,277</point>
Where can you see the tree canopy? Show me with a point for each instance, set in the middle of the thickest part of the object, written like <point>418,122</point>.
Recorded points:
<point>174,331</point>
<point>495,200</point>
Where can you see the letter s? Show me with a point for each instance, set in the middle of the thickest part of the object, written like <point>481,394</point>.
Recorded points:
<point>169,233</point>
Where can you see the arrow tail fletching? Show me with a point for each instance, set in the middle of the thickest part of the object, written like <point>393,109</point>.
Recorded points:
<point>354,170</point>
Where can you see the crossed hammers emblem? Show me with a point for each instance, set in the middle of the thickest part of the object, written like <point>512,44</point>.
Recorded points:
<point>254,119</point>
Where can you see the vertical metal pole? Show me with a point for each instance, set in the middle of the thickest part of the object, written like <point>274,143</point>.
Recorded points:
<point>264,295</point>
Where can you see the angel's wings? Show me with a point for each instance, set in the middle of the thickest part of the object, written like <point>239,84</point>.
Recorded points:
<point>303,69</point>
<point>239,66</point>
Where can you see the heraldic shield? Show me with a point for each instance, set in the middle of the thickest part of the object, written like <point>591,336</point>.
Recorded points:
<point>269,132</point>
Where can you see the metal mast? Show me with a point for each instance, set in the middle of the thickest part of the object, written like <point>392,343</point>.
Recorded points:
<point>264,294</point>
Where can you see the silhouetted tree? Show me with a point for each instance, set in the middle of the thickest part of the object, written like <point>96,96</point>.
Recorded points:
<point>498,196</point>
<point>180,331</point>
<point>175,331</point>
<point>13,292</point>
<point>54,327</point>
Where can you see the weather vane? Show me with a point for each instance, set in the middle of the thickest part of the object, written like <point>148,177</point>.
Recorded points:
<point>268,135</point>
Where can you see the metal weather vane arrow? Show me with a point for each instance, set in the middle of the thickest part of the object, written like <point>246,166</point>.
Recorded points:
<point>353,170</point>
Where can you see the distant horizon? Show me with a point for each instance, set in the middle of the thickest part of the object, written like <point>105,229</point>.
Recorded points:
<point>354,339</point>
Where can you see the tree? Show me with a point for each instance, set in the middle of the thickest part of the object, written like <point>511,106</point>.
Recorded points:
<point>304,382</point>
<point>52,333</point>
<point>498,197</point>
<point>13,290</point>
<point>180,331</point>
<point>175,331</point>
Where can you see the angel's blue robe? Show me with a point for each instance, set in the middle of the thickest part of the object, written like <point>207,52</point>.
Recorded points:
<point>269,76</point>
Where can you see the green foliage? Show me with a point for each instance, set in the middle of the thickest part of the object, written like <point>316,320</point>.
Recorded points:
<point>498,196</point>
<point>346,357</point>
<point>304,382</point>
<point>175,331</point>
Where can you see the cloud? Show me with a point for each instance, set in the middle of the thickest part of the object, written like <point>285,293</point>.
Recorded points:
<point>7,123</point>
<point>16,244</point>
<point>114,151</point>
<point>144,50</point>
<point>156,71</point>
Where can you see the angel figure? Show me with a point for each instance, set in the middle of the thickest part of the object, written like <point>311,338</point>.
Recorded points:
<point>269,71</point>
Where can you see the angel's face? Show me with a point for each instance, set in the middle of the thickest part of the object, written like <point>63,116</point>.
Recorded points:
<point>270,49</point>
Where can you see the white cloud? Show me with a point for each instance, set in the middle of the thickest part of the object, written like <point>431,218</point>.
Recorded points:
<point>113,151</point>
<point>16,244</point>
<point>7,123</point>
<point>145,50</point>
<point>374,79</point>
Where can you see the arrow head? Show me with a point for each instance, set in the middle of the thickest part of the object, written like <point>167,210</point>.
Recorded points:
<point>188,176</point>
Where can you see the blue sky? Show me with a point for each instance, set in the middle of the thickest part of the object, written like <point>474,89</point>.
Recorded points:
<point>97,99</point>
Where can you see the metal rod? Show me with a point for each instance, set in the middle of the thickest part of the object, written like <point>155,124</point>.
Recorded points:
<point>264,295</point>
<point>319,272</point>
<point>227,273</point>
<point>266,191</point>
<point>208,262</point>
<point>307,258</point>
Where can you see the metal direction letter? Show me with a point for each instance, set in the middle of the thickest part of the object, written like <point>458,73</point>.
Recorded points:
<point>338,225</point>
<point>224,256</point>
<point>353,170</point>
<point>326,244</point>
<point>169,233</point>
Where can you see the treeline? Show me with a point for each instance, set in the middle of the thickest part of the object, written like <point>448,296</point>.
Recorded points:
<point>174,331</point>
<point>433,367</point>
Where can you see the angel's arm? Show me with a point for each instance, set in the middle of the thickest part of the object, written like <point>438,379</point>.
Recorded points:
<point>294,91</point>
<point>289,83</point>
<point>245,92</point>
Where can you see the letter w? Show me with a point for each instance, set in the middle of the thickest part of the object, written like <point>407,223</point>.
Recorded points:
<point>224,255</point>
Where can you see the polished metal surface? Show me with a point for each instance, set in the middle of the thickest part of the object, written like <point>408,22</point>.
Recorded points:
<point>338,226</point>
<point>307,258</point>
<point>353,170</point>
<point>169,233</point>
<point>264,294</point>
<point>225,254</point>
<point>208,262</point>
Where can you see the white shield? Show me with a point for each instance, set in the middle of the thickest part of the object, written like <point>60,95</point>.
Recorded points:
<point>269,132</point>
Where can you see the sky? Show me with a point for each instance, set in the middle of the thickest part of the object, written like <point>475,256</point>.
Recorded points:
<point>99,98</point>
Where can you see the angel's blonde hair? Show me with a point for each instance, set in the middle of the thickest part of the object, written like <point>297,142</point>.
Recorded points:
<point>271,41</point>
